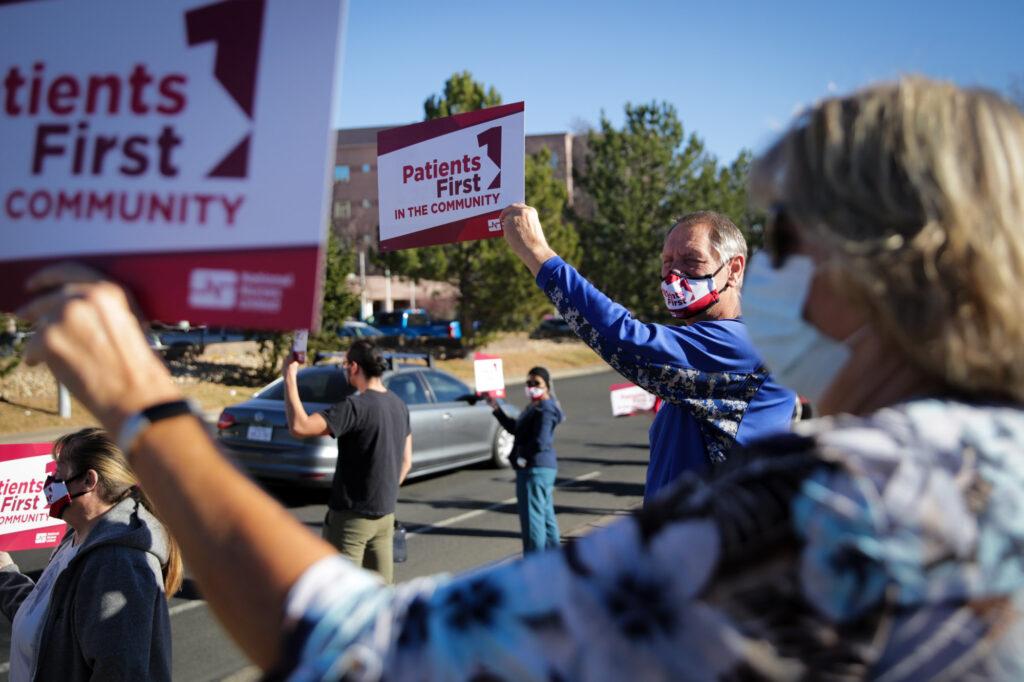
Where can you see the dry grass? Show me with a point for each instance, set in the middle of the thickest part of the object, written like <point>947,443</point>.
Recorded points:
<point>224,375</point>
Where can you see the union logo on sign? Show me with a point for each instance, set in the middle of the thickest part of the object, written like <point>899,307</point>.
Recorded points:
<point>213,289</point>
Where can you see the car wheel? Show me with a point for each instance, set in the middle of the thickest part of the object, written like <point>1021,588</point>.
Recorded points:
<point>502,448</point>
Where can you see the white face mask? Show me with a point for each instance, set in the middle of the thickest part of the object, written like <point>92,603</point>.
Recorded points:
<point>534,392</point>
<point>795,352</point>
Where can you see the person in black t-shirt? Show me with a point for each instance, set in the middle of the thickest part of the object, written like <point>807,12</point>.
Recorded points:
<point>374,457</point>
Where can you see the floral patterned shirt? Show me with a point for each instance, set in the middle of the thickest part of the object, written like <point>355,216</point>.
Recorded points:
<point>889,547</point>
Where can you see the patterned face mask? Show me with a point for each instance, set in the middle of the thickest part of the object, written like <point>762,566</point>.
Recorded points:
<point>688,296</point>
<point>57,495</point>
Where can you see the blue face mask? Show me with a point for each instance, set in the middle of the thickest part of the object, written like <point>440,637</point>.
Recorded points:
<point>795,352</point>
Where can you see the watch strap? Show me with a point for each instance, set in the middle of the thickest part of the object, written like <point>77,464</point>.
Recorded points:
<point>135,424</point>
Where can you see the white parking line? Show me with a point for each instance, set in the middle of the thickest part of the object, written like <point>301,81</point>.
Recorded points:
<point>498,505</point>
<point>187,606</point>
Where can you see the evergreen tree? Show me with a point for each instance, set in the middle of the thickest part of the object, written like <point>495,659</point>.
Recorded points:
<point>638,181</point>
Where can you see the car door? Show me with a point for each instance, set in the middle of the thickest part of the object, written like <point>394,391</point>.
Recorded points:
<point>427,426</point>
<point>468,427</point>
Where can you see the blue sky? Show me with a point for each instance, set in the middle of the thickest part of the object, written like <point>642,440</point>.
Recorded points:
<point>736,71</point>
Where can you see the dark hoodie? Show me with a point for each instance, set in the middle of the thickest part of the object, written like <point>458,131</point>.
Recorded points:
<point>535,434</point>
<point>107,618</point>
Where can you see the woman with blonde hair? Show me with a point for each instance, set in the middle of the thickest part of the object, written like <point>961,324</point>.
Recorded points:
<point>884,541</point>
<point>99,609</point>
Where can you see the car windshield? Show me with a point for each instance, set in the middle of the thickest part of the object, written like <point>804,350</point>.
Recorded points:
<point>327,385</point>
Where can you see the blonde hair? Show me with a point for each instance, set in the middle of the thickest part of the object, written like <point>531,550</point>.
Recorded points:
<point>916,190</point>
<point>92,448</point>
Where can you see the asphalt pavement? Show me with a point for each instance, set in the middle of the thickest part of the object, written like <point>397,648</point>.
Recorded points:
<point>455,521</point>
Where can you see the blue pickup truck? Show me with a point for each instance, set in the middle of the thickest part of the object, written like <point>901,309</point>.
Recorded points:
<point>414,327</point>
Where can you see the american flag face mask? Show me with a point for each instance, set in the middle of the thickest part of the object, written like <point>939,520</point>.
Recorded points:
<point>688,296</point>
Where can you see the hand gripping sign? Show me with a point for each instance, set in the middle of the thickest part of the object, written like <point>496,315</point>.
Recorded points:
<point>25,521</point>
<point>160,141</point>
<point>447,180</point>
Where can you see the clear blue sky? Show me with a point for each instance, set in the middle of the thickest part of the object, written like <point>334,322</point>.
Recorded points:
<point>736,71</point>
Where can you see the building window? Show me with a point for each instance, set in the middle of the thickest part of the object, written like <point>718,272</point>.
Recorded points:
<point>342,209</point>
<point>367,203</point>
<point>554,160</point>
<point>366,168</point>
<point>341,173</point>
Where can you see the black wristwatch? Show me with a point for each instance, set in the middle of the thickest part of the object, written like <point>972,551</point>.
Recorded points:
<point>137,423</point>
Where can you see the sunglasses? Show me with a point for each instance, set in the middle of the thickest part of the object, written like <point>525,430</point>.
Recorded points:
<point>534,384</point>
<point>781,238</point>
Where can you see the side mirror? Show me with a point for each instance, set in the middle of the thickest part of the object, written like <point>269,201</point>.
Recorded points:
<point>471,398</point>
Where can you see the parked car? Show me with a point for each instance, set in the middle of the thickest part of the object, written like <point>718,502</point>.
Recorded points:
<point>451,426</point>
<point>553,328</point>
<point>351,329</point>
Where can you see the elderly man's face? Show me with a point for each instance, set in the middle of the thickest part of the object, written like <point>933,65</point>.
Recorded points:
<point>688,250</point>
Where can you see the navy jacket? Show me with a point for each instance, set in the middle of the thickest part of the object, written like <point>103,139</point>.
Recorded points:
<point>534,432</point>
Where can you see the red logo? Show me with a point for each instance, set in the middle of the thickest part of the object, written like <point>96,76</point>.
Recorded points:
<point>235,26</point>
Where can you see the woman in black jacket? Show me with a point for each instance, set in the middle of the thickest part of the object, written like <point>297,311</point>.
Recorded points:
<point>533,457</point>
<point>99,609</point>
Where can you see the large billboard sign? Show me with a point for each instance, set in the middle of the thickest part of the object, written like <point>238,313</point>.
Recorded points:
<point>447,180</point>
<point>181,146</point>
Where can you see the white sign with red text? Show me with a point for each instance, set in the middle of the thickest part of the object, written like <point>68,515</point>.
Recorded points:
<point>629,399</point>
<point>181,146</point>
<point>25,521</point>
<point>488,375</point>
<point>447,180</point>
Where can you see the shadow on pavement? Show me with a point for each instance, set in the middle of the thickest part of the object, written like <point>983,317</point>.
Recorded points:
<point>617,446</point>
<point>469,505</point>
<point>603,462</point>
<point>617,488</point>
<point>460,532</point>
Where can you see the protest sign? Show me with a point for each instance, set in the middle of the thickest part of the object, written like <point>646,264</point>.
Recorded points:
<point>25,521</point>
<point>628,399</point>
<point>182,147</point>
<point>488,375</point>
<point>447,180</point>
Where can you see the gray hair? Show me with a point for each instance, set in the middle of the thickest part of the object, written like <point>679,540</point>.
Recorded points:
<point>725,238</point>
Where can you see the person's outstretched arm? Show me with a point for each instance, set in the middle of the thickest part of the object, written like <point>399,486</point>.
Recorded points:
<point>245,550</point>
<point>639,351</point>
<point>300,423</point>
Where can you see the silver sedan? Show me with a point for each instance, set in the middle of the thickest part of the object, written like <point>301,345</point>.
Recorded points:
<point>451,426</point>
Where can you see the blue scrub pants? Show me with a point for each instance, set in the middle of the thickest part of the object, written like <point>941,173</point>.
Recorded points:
<point>535,492</point>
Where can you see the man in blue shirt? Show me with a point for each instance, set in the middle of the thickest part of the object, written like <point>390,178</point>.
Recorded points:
<point>716,391</point>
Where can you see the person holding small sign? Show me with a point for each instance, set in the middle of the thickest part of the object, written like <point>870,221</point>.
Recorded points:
<point>534,459</point>
<point>715,388</point>
<point>374,456</point>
